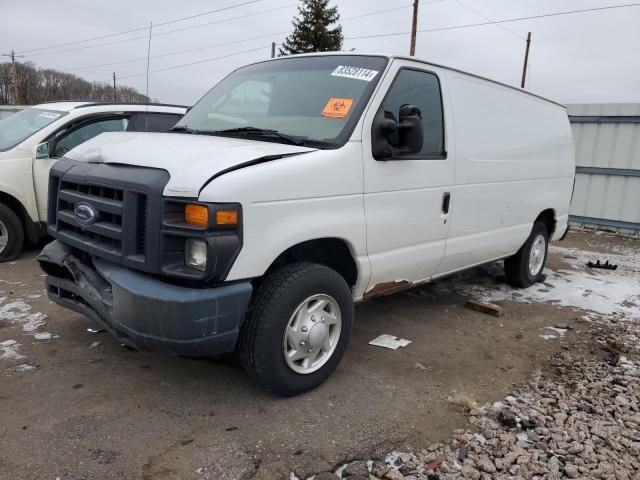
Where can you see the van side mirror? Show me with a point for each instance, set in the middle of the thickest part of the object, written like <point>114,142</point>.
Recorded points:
<point>390,138</point>
<point>41,152</point>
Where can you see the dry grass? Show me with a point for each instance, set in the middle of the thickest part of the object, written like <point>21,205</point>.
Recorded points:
<point>464,400</point>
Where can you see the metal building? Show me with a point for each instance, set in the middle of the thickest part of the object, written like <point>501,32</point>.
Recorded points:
<point>607,189</point>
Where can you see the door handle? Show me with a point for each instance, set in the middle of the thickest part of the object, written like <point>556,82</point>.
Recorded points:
<point>446,200</point>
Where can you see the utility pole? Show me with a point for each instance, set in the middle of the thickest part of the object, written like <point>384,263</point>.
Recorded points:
<point>526,61</point>
<point>273,49</point>
<point>414,28</point>
<point>115,95</point>
<point>14,74</point>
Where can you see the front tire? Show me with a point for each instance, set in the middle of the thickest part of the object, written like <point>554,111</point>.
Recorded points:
<point>11,234</point>
<point>525,267</point>
<point>297,328</point>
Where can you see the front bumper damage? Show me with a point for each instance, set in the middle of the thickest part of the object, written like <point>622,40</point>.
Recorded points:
<point>143,312</point>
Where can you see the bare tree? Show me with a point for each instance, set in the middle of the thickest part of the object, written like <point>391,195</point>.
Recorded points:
<point>38,85</point>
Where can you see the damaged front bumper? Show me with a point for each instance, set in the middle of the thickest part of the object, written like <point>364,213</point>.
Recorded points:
<point>143,312</point>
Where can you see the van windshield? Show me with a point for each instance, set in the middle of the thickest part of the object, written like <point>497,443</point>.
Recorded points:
<point>313,101</point>
<point>16,128</point>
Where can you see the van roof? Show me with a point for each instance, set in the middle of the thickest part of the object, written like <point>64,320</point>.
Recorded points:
<point>392,56</point>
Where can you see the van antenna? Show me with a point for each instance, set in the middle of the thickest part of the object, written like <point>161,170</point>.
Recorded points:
<point>146,117</point>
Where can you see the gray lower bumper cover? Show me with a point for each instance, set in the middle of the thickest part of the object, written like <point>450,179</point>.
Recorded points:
<point>143,312</point>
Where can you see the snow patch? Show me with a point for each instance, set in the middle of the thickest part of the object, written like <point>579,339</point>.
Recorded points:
<point>10,350</point>
<point>19,312</point>
<point>24,367</point>
<point>604,293</point>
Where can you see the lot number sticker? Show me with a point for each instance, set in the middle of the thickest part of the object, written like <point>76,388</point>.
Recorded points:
<point>337,107</point>
<point>355,73</point>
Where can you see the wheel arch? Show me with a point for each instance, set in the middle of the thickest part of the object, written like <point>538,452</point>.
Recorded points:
<point>548,218</point>
<point>332,252</point>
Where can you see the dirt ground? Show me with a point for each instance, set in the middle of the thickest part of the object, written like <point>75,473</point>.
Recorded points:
<point>85,407</point>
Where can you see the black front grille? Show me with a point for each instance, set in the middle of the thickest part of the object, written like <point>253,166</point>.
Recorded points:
<point>106,233</point>
<point>128,204</point>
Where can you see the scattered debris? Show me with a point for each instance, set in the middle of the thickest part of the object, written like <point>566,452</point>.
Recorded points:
<point>389,341</point>
<point>95,330</point>
<point>485,307</point>
<point>94,344</point>
<point>464,400</point>
<point>605,266</point>
<point>507,419</point>
<point>611,358</point>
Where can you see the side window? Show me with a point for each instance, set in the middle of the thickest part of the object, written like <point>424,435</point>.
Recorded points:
<point>154,122</point>
<point>421,89</point>
<point>87,132</point>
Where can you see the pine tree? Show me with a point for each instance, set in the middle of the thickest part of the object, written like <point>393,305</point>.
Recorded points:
<point>312,32</point>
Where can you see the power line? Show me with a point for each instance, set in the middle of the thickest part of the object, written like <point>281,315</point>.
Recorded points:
<point>532,17</point>
<point>194,63</point>
<point>509,31</point>
<point>142,28</point>
<point>145,37</point>
<point>233,42</point>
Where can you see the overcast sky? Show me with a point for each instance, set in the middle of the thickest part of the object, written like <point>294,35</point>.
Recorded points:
<point>585,57</point>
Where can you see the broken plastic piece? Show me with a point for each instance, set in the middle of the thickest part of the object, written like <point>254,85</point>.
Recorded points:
<point>95,330</point>
<point>606,265</point>
<point>389,341</point>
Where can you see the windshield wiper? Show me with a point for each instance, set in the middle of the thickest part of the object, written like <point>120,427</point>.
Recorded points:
<point>182,129</point>
<point>262,132</point>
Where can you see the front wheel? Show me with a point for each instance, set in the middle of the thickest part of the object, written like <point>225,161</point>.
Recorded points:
<point>525,267</point>
<point>297,328</point>
<point>11,234</point>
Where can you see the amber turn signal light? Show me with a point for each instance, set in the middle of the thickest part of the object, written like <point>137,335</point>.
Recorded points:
<point>226,217</point>
<point>196,215</point>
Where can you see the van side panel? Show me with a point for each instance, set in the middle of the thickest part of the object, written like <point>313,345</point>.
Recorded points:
<point>514,159</point>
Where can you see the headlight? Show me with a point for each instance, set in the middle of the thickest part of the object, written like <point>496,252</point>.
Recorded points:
<point>195,254</point>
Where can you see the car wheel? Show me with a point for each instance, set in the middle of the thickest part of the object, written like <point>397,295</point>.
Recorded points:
<point>11,234</point>
<point>525,267</point>
<point>297,328</point>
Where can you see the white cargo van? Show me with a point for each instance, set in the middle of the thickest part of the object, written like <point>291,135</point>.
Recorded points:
<point>33,138</point>
<point>294,188</point>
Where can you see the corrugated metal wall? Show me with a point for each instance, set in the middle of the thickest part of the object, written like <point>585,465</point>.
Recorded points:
<point>607,142</point>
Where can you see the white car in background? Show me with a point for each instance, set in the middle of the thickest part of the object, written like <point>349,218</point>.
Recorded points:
<point>32,139</point>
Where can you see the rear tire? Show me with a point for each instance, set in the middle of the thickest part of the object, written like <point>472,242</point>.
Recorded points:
<point>11,234</point>
<point>525,267</point>
<point>297,298</point>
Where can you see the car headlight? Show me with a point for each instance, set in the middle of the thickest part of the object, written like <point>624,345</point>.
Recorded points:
<point>195,254</point>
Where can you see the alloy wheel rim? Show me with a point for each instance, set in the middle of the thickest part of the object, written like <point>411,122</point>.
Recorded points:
<point>312,334</point>
<point>536,255</point>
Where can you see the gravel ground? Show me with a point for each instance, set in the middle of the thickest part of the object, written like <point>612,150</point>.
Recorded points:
<point>578,419</point>
<point>76,405</point>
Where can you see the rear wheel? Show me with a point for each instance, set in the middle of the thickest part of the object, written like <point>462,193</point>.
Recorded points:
<point>11,234</point>
<point>297,328</point>
<point>525,267</point>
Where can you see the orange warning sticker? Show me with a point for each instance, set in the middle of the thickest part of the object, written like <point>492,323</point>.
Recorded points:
<point>337,107</point>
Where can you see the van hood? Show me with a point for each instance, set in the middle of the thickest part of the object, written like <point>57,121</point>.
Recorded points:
<point>191,160</point>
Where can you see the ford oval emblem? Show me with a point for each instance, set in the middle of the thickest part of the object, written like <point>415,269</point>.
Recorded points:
<point>85,214</point>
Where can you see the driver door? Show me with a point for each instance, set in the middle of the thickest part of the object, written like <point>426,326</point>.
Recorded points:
<point>407,198</point>
<point>63,141</point>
